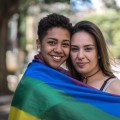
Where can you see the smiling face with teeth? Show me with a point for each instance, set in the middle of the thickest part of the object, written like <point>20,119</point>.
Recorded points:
<point>55,46</point>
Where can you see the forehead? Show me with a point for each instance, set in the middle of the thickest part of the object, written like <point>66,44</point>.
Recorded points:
<point>82,37</point>
<point>58,32</point>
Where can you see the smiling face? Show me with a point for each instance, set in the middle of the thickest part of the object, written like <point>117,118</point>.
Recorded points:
<point>55,47</point>
<point>84,53</point>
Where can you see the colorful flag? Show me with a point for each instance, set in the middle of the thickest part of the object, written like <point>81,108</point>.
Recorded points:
<point>47,94</point>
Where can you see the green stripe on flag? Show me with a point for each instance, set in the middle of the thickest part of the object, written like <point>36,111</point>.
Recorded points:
<point>39,99</point>
<point>72,110</point>
<point>35,97</point>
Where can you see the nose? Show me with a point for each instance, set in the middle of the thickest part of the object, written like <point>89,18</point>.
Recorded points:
<point>80,54</point>
<point>58,49</point>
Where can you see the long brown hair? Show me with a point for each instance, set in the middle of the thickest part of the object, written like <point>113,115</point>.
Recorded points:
<point>104,61</point>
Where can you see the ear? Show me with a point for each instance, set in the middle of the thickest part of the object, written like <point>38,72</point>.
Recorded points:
<point>38,44</point>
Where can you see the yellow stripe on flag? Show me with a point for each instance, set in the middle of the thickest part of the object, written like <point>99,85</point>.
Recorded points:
<point>20,115</point>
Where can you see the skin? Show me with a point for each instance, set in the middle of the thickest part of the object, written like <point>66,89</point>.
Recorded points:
<point>84,54</point>
<point>114,87</point>
<point>84,57</point>
<point>55,47</point>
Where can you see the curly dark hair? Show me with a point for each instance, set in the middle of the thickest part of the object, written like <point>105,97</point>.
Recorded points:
<point>50,21</point>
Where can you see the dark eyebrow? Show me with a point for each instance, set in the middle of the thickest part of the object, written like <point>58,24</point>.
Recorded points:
<point>57,39</point>
<point>84,46</point>
<point>89,45</point>
<point>53,39</point>
<point>66,40</point>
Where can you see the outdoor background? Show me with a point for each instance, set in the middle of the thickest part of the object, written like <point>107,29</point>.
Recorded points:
<point>18,33</point>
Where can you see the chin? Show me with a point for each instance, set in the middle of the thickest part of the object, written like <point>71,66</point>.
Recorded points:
<point>55,67</point>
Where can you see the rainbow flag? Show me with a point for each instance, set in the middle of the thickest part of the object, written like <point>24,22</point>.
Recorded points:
<point>47,94</point>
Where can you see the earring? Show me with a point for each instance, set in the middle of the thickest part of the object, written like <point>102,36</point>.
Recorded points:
<point>98,57</point>
<point>38,49</point>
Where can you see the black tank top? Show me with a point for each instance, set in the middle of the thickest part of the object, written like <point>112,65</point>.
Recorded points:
<point>105,82</point>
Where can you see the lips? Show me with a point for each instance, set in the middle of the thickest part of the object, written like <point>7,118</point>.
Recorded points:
<point>57,58</point>
<point>81,64</point>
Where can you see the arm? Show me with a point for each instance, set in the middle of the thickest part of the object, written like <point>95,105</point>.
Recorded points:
<point>114,87</point>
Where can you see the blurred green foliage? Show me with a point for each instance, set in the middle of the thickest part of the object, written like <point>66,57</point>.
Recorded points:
<point>108,23</point>
<point>110,26</point>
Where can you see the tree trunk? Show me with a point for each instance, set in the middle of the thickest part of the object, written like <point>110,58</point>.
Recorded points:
<point>7,9</point>
<point>3,47</point>
<point>19,34</point>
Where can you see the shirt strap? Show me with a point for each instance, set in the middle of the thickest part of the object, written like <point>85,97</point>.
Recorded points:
<point>105,83</point>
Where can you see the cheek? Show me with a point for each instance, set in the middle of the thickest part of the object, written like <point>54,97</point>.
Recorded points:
<point>73,56</point>
<point>67,51</point>
<point>94,58</point>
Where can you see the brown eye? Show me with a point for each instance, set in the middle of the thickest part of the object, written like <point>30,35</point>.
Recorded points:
<point>66,45</point>
<point>52,43</point>
<point>74,49</point>
<point>88,48</point>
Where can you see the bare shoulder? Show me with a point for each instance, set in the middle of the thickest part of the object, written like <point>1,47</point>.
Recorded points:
<point>114,87</point>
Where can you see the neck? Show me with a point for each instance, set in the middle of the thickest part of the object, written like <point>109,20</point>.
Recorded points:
<point>86,77</point>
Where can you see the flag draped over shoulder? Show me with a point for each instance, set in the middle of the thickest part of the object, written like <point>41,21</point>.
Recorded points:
<point>46,94</point>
